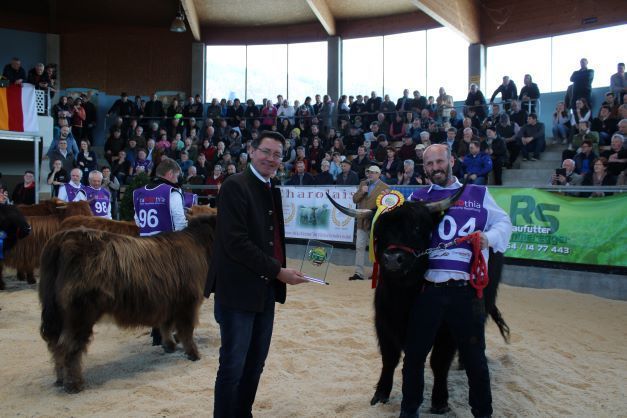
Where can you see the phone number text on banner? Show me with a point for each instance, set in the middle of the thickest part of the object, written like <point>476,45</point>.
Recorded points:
<point>308,214</point>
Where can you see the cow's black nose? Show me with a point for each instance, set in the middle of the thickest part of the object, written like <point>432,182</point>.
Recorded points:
<point>392,261</point>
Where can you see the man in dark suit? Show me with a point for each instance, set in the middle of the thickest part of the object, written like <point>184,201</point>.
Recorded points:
<point>347,177</point>
<point>248,275</point>
<point>300,177</point>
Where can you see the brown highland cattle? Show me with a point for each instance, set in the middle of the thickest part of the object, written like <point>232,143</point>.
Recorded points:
<point>155,281</point>
<point>102,224</point>
<point>48,216</point>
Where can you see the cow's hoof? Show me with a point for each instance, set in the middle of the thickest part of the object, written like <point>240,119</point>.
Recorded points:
<point>169,348</point>
<point>21,276</point>
<point>439,410</point>
<point>2,284</point>
<point>58,382</point>
<point>31,280</point>
<point>193,356</point>
<point>73,387</point>
<point>379,398</point>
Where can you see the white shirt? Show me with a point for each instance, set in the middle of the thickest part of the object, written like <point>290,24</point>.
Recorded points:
<point>498,230</point>
<point>81,195</point>
<point>177,210</point>
<point>259,176</point>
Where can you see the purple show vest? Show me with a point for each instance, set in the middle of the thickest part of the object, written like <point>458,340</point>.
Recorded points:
<point>189,200</point>
<point>99,200</point>
<point>464,217</point>
<point>72,191</point>
<point>152,207</point>
<point>147,164</point>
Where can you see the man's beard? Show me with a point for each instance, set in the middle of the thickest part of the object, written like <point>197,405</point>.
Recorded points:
<point>443,180</point>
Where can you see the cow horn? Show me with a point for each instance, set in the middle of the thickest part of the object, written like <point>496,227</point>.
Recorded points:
<point>353,213</point>
<point>444,204</point>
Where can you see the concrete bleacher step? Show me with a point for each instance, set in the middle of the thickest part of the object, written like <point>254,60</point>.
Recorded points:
<point>535,173</point>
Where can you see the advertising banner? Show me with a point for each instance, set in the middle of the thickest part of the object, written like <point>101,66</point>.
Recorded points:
<point>308,214</point>
<point>554,227</point>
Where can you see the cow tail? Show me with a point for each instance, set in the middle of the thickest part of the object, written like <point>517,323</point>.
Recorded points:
<point>51,313</point>
<point>496,316</point>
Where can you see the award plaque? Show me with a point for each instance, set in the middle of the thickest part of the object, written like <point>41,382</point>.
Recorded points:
<point>315,262</point>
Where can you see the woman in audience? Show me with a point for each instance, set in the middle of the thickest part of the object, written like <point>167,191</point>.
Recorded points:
<point>175,108</point>
<point>192,150</point>
<point>316,154</point>
<point>397,128</point>
<point>163,143</point>
<point>391,166</point>
<point>86,161</point>
<point>561,123</point>
<point>268,114</point>
<point>78,118</point>
<point>335,169</point>
<point>289,156</point>
<point>57,177</point>
<point>62,110</point>
<point>338,146</point>
<point>286,128</point>
<point>598,177</point>
<point>580,113</point>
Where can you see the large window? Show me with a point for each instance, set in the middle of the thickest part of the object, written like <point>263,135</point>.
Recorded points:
<point>362,62</point>
<point>601,47</point>
<point>306,70</point>
<point>447,63</point>
<point>552,60</point>
<point>404,63</point>
<point>516,60</point>
<point>226,72</point>
<point>267,72</point>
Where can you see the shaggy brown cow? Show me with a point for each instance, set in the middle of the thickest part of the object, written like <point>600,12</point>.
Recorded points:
<point>25,255</point>
<point>101,224</point>
<point>47,207</point>
<point>155,281</point>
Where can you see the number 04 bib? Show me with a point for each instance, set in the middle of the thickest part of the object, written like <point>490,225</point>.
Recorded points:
<point>464,217</point>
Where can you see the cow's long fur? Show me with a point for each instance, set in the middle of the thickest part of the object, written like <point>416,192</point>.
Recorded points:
<point>102,224</point>
<point>153,281</point>
<point>26,253</point>
<point>411,225</point>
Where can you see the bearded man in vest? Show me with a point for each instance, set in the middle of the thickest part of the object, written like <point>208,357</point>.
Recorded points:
<point>446,295</point>
<point>73,191</point>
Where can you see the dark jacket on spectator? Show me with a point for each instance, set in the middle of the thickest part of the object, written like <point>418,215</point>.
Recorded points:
<point>352,179</point>
<point>13,75</point>
<point>480,164</point>
<point>308,180</point>
<point>154,109</point>
<point>121,108</point>
<point>360,166</point>
<point>36,79</point>
<point>67,161</point>
<point>508,92</point>
<point>23,195</point>
<point>583,163</point>
<point>324,179</point>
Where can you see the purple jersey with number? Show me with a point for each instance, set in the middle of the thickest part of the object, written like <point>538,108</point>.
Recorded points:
<point>147,164</point>
<point>99,201</point>
<point>189,199</point>
<point>72,191</point>
<point>152,208</point>
<point>464,217</point>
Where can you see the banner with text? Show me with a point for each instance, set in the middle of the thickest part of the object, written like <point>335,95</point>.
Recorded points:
<point>554,227</point>
<point>308,214</point>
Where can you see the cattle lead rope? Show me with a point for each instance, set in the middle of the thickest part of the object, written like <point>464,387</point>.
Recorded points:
<point>478,271</point>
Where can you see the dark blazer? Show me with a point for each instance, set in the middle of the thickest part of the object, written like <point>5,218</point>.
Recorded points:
<point>242,263</point>
<point>324,179</point>
<point>351,180</point>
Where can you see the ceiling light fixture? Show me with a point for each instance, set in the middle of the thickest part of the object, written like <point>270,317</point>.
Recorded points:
<point>178,24</point>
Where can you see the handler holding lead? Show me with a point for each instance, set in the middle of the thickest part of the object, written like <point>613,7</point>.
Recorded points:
<point>447,295</point>
<point>159,208</point>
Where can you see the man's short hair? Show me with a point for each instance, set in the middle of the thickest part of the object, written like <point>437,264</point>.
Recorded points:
<point>609,109</point>
<point>409,163</point>
<point>452,129</point>
<point>167,164</point>
<point>475,143</point>
<point>586,122</point>
<point>95,173</point>
<point>268,134</point>
<point>533,116</point>
<point>29,172</point>
<point>588,143</point>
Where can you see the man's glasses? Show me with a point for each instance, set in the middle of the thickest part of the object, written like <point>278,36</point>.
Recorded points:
<point>269,154</point>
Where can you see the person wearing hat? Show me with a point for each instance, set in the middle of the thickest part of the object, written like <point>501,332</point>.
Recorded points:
<point>347,177</point>
<point>365,198</point>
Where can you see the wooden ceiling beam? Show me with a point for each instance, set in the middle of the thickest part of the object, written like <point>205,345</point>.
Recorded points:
<point>324,15</point>
<point>192,17</point>
<point>462,16</point>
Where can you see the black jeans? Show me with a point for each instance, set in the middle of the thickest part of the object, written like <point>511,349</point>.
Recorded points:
<point>245,343</point>
<point>461,310</point>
